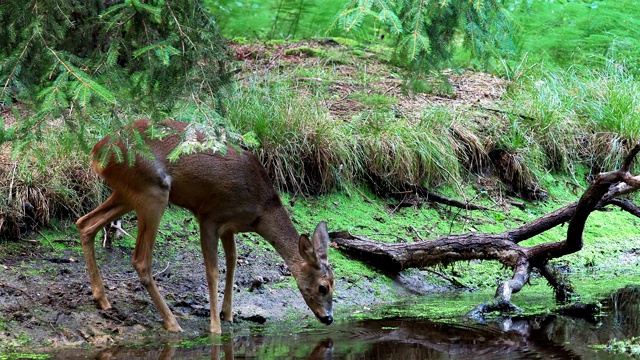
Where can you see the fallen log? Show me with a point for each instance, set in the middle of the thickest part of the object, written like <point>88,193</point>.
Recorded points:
<point>504,247</point>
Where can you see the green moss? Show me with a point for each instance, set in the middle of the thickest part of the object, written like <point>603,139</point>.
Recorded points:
<point>25,356</point>
<point>346,41</point>
<point>241,40</point>
<point>303,50</point>
<point>276,42</point>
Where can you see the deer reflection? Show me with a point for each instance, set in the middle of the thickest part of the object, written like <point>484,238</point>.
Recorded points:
<point>225,348</point>
<point>122,352</point>
<point>322,351</point>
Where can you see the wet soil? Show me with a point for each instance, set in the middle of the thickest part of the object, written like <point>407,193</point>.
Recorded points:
<point>46,301</point>
<point>544,336</point>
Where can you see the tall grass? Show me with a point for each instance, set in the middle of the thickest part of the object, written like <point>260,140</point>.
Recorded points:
<point>399,151</point>
<point>305,149</point>
<point>580,115</point>
<point>44,181</point>
<point>299,145</point>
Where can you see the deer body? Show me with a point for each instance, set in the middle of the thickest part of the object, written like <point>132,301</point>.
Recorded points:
<point>227,194</point>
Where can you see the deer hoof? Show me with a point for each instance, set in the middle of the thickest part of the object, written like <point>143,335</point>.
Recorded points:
<point>224,317</point>
<point>103,303</point>
<point>174,328</point>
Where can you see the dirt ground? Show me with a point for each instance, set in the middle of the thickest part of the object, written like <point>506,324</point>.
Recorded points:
<point>46,301</point>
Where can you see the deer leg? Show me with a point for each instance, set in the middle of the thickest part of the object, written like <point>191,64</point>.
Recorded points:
<point>209,244</point>
<point>88,226</point>
<point>149,209</point>
<point>231,257</point>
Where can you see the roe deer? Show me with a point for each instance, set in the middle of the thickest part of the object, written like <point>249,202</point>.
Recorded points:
<point>228,194</point>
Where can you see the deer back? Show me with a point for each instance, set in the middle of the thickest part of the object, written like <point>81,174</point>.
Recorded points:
<point>230,188</point>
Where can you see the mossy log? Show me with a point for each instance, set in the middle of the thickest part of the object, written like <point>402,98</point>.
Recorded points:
<point>504,247</point>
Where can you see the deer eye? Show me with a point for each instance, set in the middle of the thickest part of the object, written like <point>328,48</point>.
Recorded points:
<point>323,290</point>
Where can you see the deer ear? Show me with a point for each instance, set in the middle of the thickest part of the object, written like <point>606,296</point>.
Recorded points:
<point>321,242</point>
<point>306,250</point>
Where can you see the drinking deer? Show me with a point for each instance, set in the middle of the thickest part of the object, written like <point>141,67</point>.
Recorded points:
<point>227,194</point>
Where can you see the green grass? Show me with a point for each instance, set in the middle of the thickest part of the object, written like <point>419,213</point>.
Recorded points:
<point>561,34</point>
<point>584,116</point>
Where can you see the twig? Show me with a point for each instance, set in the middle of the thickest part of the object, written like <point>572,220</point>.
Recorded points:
<point>499,111</point>
<point>46,238</point>
<point>117,225</point>
<point>54,329</point>
<point>417,233</point>
<point>519,205</point>
<point>453,281</point>
<point>13,173</point>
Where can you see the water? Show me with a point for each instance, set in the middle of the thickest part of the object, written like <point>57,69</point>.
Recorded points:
<point>536,337</point>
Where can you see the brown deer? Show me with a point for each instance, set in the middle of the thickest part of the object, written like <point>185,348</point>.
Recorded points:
<point>227,194</point>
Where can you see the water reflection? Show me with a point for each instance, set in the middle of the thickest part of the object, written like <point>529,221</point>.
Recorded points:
<point>536,337</point>
<point>245,348</point>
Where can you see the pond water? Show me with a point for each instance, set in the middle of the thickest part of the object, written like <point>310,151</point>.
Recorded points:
<point>535,337</point>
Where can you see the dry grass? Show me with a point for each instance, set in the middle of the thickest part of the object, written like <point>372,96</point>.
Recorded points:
<point>42,182</point>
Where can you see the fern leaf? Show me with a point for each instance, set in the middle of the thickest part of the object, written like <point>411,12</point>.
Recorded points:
<point>163,55</point>
<point>112,54</point>
<point>173,51</point>
<point>165,52</point>
<point>143,50</point>
<point>415,44</point>
<point>354,18</point>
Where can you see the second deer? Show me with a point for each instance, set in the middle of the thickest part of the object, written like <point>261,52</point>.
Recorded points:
<point>227,194</point>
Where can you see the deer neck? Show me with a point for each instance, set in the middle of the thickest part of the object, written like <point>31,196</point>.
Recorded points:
<point>276,227</point>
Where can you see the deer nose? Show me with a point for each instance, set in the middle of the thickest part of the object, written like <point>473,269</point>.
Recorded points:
<point>327,320</point>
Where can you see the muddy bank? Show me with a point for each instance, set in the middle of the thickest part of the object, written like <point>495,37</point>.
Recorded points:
<point>45,294</point>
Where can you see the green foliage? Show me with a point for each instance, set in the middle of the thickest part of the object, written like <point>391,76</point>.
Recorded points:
<point>40,185</point>
<point>274,19</point>
<point>71,72</point>
<point>98,65</point>
<point>425,33</point>
<point>565,33</point>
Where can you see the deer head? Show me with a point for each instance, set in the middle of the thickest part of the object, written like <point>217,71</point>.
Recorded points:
<point>315,279</point>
